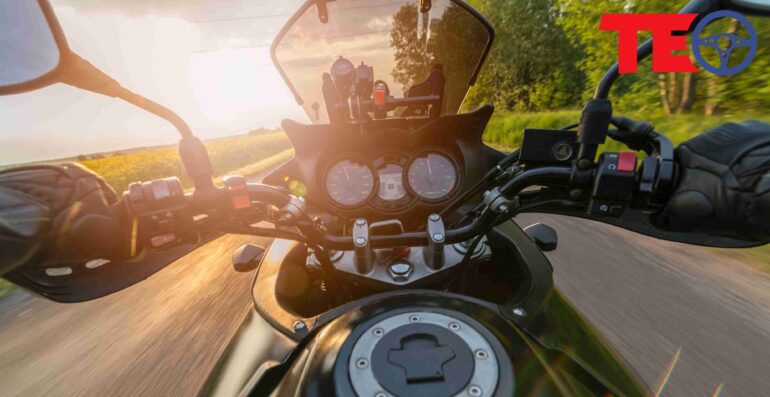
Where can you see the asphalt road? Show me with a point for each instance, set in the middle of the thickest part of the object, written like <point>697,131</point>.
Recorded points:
<point>163,336</point>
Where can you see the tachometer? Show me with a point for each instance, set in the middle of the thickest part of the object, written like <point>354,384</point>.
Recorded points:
<point>432,176</point>
<point>349,182</point>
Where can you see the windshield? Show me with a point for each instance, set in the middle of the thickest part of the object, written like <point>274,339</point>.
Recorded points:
<point>400,42</point>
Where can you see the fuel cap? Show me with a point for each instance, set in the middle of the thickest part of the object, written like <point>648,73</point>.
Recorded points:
<point>422,353</point>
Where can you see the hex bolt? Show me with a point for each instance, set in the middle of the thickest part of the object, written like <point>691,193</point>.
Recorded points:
<point>378,332</point>
<point>454,326</point>
<point>481,354</point>
<point>299,326</point>
<point>414,318</point>
<point>519,312</point>
<point>474,391</point>
<point>362,363</point>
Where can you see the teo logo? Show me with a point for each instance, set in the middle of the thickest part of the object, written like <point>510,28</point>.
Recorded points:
<point>665,42</point>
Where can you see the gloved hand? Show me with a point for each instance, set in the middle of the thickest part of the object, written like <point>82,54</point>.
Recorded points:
<point>62,214</point>
<point>724,183</point>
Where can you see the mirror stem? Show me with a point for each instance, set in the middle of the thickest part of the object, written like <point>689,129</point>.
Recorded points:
<point>80,73</point>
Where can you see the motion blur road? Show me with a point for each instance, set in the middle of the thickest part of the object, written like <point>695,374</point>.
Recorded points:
<point>163,336</point>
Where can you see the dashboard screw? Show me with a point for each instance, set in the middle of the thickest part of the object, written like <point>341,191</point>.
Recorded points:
<point>360,241</point>
<point>378,332</point>
<point>362,363</point>
<point>438,237</point>
<point>474,391</point>
<point>414,318</point>
<point>454,326</point>
<point>519,312</point>
<point>360,222</point>
<point>299,326</point>
<point>435,218</point>
<point>481,354</point>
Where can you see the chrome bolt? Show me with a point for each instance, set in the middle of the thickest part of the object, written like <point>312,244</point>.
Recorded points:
<point>454,326</point>
<point>299,326</point>
<point>474,391</point>
<point>378,332</point>
<point>435,218</point>
<point>414,318</point>
<point>360,222</point>
<point>362,363</point>
<point>481,354</point>
<point>438,237</point>
<point>519,312</point>
<point>360,241</point>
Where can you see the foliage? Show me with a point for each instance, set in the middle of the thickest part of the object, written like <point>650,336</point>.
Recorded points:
<point>456,44</point>
<point>532,63</point>
<point>551,55</point>
<point>226,154</point>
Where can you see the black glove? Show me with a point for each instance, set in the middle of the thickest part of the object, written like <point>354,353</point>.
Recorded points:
<point>52,215</point>
<point>724,183</point>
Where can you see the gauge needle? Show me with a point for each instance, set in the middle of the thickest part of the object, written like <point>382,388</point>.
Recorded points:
<point>427,160</point>
<point>345,169</point>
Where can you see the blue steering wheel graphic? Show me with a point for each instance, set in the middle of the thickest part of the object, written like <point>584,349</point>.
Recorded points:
<point>734,40</point>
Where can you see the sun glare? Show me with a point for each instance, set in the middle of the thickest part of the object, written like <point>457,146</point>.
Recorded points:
<point>229,83</point>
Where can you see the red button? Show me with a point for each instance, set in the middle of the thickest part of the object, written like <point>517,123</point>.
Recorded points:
<point>626,161</point>
<point>379,97</point>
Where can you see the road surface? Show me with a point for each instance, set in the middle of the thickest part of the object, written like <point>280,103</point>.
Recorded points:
<point>163,336</point>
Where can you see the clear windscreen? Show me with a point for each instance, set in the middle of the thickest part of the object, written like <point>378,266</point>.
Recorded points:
<point>402,43</point>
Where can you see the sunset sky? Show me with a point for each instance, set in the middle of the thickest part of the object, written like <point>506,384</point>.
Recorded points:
<point>207,60</point>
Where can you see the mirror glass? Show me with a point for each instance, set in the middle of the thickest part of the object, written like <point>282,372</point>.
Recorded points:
<point>28,48</point>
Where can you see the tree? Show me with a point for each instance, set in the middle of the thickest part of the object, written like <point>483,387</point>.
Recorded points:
<point>532,64</point>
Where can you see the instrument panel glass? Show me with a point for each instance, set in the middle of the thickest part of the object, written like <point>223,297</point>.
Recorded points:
<point>432,176</point>
<point>350,182</point>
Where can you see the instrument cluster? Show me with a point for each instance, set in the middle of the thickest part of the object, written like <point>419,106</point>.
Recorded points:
<point>393,181</point>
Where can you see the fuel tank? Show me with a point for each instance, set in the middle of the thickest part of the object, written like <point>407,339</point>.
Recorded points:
<point>436,344</point>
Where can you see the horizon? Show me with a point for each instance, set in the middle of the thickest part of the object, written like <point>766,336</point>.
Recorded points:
<point>216,76</point>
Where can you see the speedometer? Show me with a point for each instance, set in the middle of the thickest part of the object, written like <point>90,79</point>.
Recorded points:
<point>432,176</point>
<point>349,182</point>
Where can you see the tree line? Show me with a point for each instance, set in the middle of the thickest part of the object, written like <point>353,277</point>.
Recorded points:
<point>550,54</point>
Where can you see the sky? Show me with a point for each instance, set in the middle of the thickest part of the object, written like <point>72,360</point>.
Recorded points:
<point>207,60</point>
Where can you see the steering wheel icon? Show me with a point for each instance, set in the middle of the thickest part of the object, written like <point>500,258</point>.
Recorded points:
<point>734,40</point>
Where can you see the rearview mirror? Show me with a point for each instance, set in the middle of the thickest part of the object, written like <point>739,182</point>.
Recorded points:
<point>32,46</point>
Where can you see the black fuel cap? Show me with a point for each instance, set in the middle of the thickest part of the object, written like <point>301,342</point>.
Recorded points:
<point>422,359</point>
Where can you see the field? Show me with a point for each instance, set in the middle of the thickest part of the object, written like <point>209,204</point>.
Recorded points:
<point>228,155</point>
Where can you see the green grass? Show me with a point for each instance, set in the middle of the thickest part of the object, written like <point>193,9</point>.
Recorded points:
<point>758,257</point>
<point>227,155</point>
<point>505,130</point>
<point>6,288</point>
